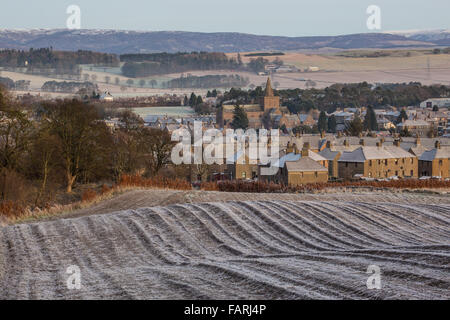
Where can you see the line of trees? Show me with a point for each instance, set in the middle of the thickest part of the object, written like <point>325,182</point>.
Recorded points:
<point>69,86</point>
<point>346,96</point>
<point>208,81</point>
<point>143,65</point>
<point>10,84</point>
<point>56,145</point>
<point>45,60</point>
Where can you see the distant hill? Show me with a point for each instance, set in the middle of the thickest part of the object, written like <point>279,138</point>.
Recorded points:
<point>119,42</point>
<point>440,37</point>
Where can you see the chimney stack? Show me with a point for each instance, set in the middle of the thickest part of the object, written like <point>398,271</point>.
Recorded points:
<point>362,142</point>
<point>418,141</point>
<point>305,150</point>
<point>346,144</point>
<point>437,144</point>
<point>322,134</point>
<point>397,142</point>
<point>295,149</point>
<point>289,147</point>
<point>328,144</point>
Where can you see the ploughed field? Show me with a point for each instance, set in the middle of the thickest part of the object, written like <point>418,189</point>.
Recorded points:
<point>272,249</point>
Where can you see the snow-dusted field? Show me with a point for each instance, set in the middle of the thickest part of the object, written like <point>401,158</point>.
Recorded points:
<point>277,249</point>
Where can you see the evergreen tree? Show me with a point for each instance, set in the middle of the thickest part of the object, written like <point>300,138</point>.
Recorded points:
<point>332,124</point>
<point>239,59</point>
<point>355,127</point>
<point>402,116</point>
<point>193,100</point>
<point>199,100</point>
<point>370,120</point>
<point>240,120</point>
<point>323,122</point>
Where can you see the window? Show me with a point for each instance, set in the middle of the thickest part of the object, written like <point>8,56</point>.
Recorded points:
<point>315,174</point>
<point>244,174</point>
<point>356,164</point>
<point>412,173</point>
<point>440,162</point>
<point>396,161</point>
<point>403,160</point>
<point>370,162</point>
<point>412,160</point>
<point>396,172</point>
<point>346,164</point>
<point>385,162</point>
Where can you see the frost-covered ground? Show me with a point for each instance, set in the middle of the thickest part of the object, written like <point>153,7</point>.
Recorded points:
<point>280,249</point>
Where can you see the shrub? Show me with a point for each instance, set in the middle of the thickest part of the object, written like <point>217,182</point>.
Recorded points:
<point>88,195</point>
<point>270,187</point>
<point>11,209</point>
<point>154,182</point>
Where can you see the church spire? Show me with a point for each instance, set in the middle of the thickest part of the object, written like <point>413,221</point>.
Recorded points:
<point>269,90</point>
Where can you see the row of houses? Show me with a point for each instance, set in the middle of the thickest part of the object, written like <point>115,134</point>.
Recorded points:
<point>332,160</point>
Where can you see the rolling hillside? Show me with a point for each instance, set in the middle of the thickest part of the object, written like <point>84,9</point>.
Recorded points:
<point>119,42</point>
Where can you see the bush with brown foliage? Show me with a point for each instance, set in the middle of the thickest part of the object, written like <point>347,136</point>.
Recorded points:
<point>11,209</point>
<point>154,182</point>
<point>88,195</point>
<point>270,187</point>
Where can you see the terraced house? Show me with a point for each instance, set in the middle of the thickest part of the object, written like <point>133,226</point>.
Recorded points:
<point>378,162</point>
<point>435,162</point>
<point>309,167</point>
<point>294,170</point>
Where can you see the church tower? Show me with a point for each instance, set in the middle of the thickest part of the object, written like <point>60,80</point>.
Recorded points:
<point>270,100</point>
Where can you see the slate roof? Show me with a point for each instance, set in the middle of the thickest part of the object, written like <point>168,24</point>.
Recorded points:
<point>328,154</point>
<point>304,164</point>
<point>371,153</point>
<point>292,157</point>
<point>430,155</point>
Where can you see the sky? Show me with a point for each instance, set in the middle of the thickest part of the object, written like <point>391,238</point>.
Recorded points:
<point>276,17</point>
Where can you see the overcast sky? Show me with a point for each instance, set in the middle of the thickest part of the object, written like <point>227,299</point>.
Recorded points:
<point>277,17</point>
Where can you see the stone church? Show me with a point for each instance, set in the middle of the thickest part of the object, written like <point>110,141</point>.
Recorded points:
<point>266,114</point>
